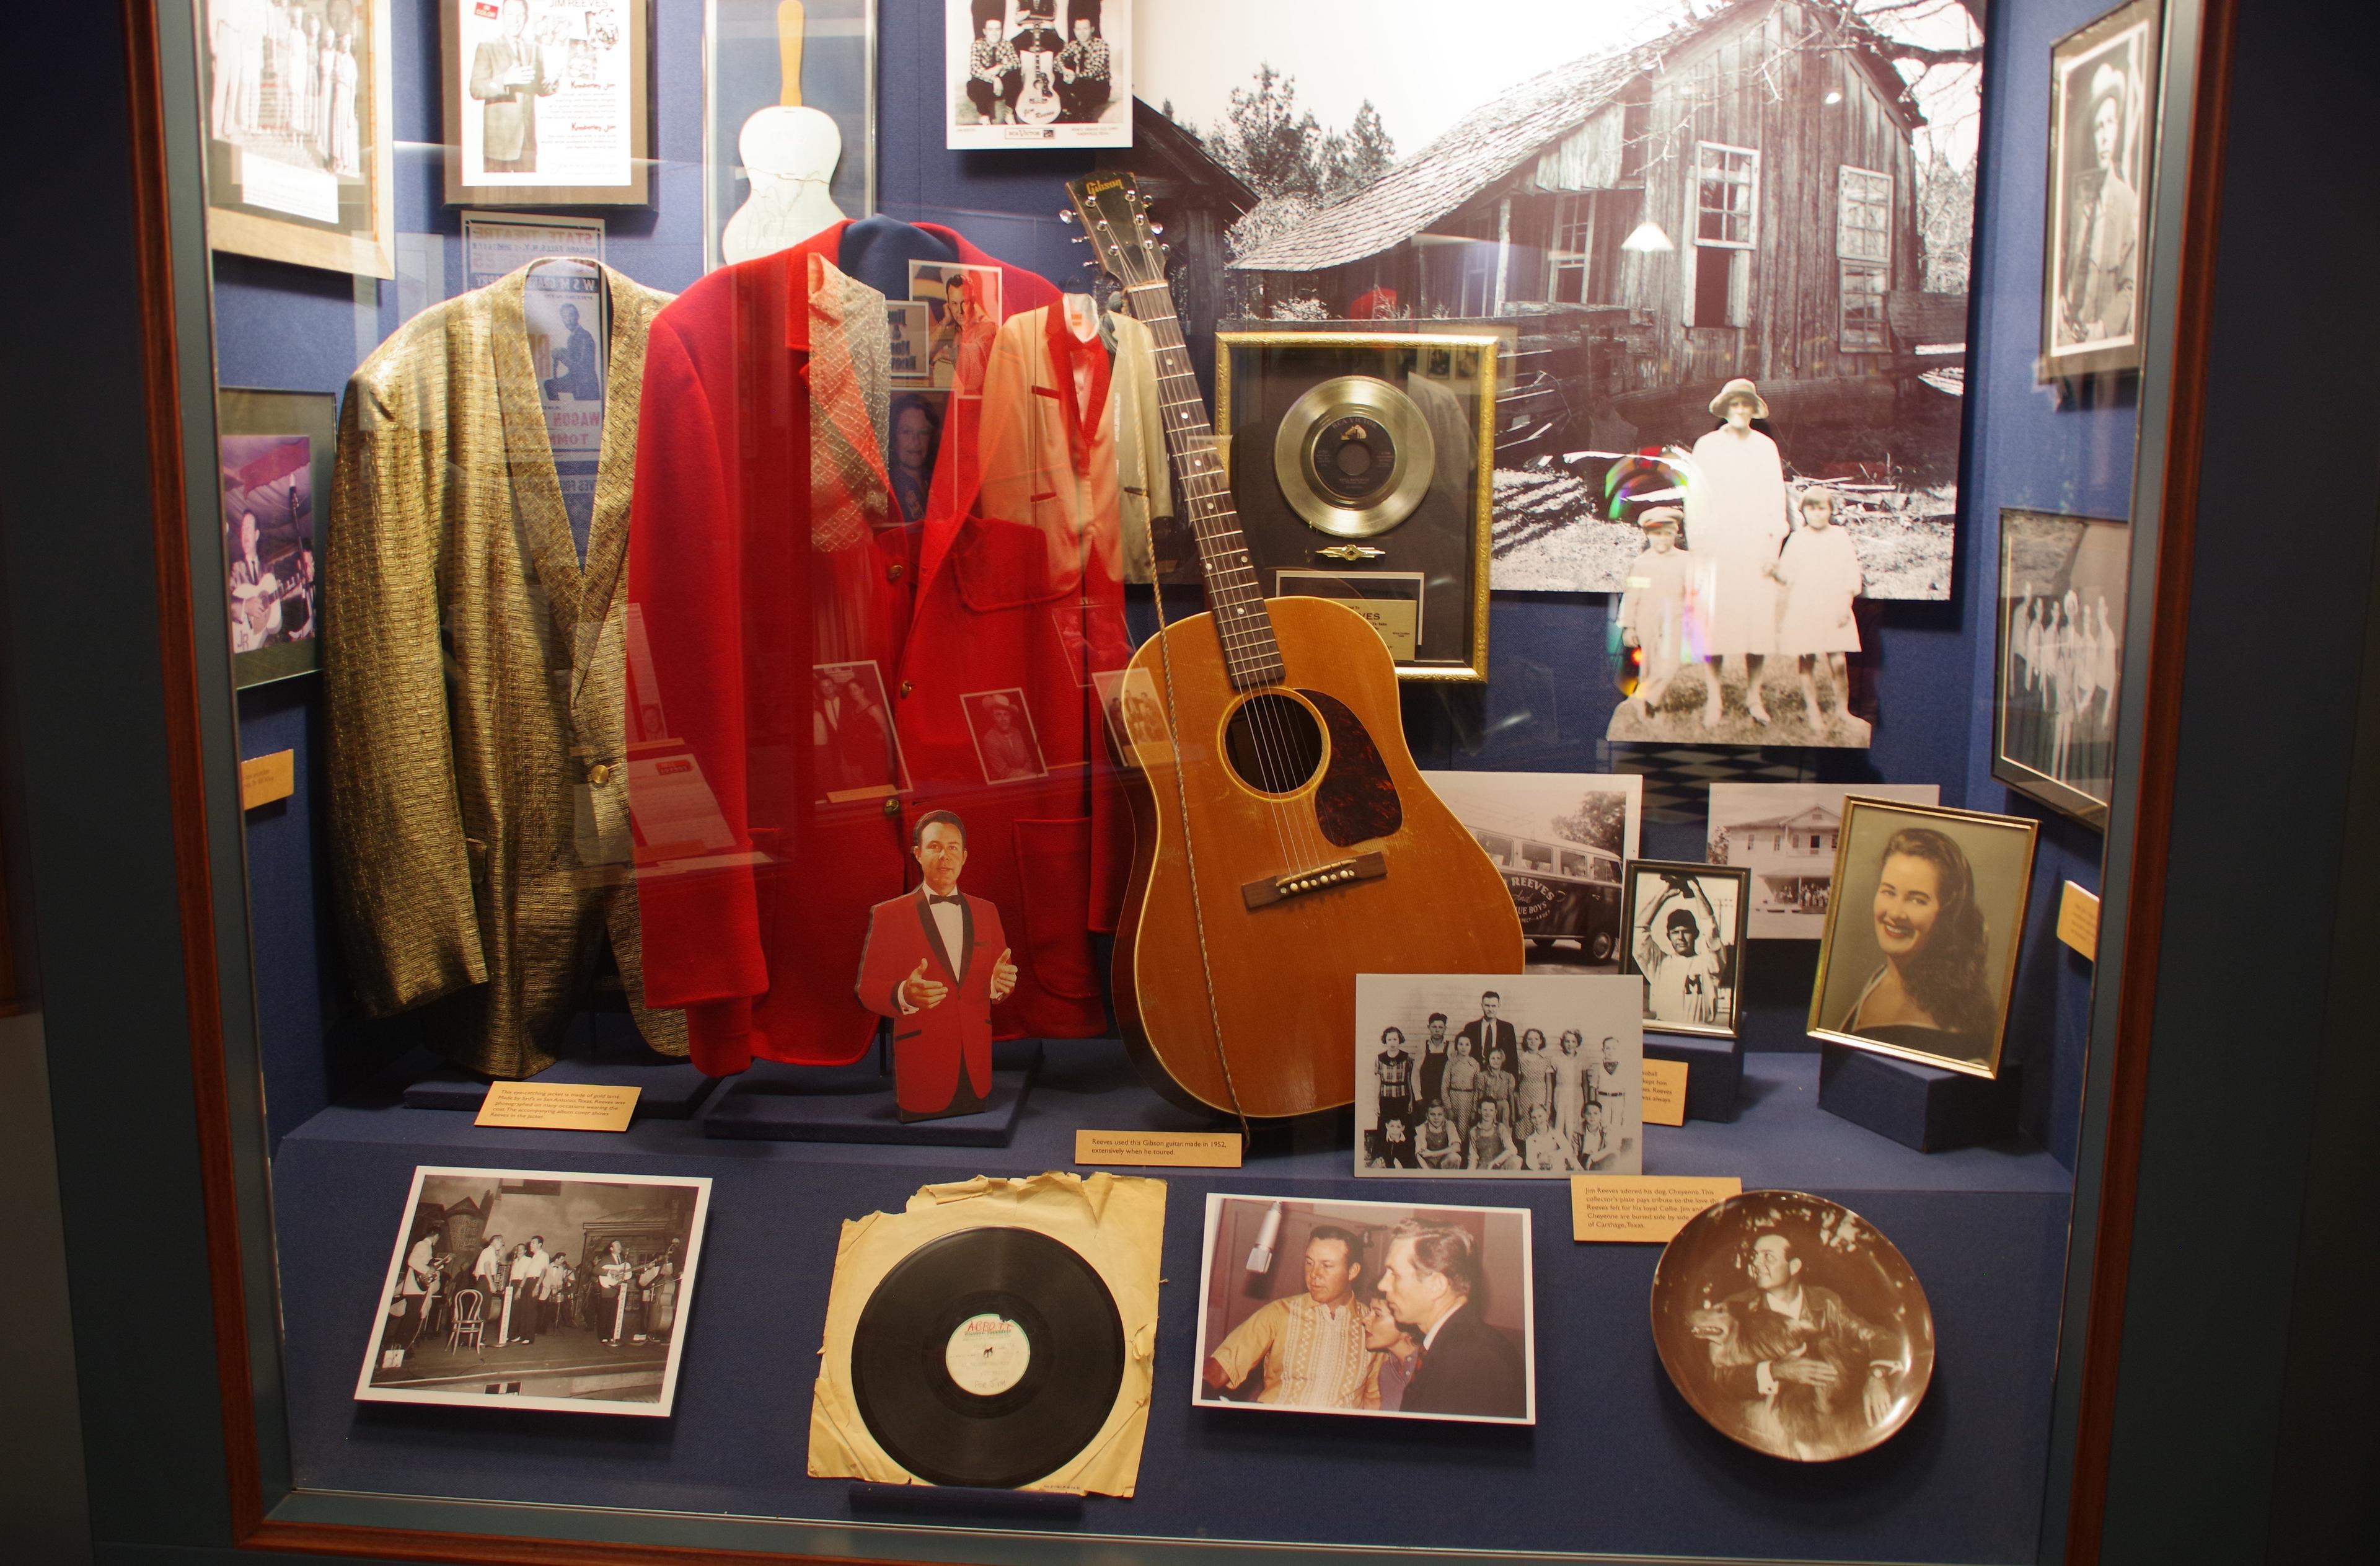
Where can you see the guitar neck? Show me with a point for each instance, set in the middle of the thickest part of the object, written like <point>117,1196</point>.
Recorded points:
<point>1235,596</point>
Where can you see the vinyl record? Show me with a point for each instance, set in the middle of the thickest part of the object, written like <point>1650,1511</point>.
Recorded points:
<point>988,1357</point>
<point>1353,456</point>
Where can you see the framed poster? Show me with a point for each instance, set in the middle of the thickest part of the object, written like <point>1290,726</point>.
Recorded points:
<point>1920,950</point>
<point>274,456</point>
<point>497,243</point>
<point>295,100</point>
<point>1361,464</point>
<point>548,104</point>
<point>760,59</point>
<point>1037,73</point>
<point>2102,141</point>
<point>2057,678</point>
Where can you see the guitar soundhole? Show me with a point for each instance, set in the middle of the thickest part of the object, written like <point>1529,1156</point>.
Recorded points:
<point>1274,744</point>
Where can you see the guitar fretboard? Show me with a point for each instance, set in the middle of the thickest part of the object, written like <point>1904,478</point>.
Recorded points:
<point>1235,596</point>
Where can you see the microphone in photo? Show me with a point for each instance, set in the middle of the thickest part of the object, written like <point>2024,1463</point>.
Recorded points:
<point>1260,1256</point>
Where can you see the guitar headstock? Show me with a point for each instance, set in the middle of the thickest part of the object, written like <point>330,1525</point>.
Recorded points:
<point>1114,216</point>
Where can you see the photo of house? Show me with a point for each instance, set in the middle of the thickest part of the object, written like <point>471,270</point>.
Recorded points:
<point>1785,834</point>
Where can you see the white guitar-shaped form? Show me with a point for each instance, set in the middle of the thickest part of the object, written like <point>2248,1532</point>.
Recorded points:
<point>789,154</point>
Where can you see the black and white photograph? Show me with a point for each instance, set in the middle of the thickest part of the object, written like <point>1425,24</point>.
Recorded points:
<point>1003,730</point>
<point>1748,638</point>
<point>1136,715</point>
<point>1486,1077</point>
<point>1793,1326</point>
<point>854,749</point>
<point>1785,834</point>
<point>1919,953</point>
<point>1559,839</point>
<point>1380,1309</point>
<point>294,96</point>
<point>529,1288</point>
<point>1650,200</point>
<point>2061,658</point>
<point>788,123</point>
<point>546,101</point>
<point>275,451</point>
<point>1039,73</point>
<point>1686,930</point>
<point>2102,137</point>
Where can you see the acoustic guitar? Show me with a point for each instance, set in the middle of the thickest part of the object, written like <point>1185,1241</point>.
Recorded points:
<point>1283,840</point>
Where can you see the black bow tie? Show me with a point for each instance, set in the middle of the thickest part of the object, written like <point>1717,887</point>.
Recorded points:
<point>932,899</point>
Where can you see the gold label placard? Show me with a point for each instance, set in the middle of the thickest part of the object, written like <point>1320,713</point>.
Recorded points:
<point>1665,1092</point>
<point>264,778</point>
<point>1153,1150</point>
<point>1641,1209</point>
<point>559,1106</point>
<point>2078,921</point>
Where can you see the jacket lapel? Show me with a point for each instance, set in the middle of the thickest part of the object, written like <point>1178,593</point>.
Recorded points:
<point>934,933</point>
<point>528,455</point>
<point>607,535</point>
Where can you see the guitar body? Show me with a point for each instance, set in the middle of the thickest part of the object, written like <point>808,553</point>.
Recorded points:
<point>1405,888</point>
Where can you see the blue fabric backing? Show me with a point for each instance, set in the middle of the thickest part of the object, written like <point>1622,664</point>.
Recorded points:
<point>1918,1106</point>
<point>1714,1071</point>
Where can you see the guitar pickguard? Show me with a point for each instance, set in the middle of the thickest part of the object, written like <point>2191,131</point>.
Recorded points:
<point>1356,799</point>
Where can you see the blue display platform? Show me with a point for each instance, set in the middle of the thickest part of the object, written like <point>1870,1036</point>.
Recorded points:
<point>672,1089</point>
<point>1984,1227</point>
<point>781,1103</point>
<point>1918,1106</point>
<point>1714,1071</point>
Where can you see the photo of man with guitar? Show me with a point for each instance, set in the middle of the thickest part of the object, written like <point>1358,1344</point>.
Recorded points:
<point>269,540</point>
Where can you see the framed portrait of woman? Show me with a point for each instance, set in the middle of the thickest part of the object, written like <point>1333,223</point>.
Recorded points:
<point>1920,948</point>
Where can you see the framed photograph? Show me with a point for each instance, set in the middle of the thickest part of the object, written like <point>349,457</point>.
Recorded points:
<point>2058,679</point>
<point>275,451</point>
<point>1001,726</point>
<point>299,112</point>
<point>789,105</point>
<point>512,1288</point>
<point>1322,1307</point>
<point>1491,1076</point>
<point>547,102</point>
<point>1364,455</point>
<point>1037,73</point>
<point>1559,839</point>
<point>1640,237</point>
<point>962,314</point>
<point>1785,834</point>
<point>2103,81</point>
<point>1920,948</point>
<point>1759,1290</point>
<point>854,749</point>
<point>1136,716</point>
<point>1686,927</point>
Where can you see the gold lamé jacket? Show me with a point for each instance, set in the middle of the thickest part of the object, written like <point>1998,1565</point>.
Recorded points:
<point>475,669</point>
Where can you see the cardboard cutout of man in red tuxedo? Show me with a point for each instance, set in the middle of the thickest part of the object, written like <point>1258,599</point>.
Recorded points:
<point>930,966</point>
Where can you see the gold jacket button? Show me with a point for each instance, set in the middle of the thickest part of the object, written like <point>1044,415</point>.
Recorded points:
<point>600,774</point>
<point>892,806</point>
<point>906,687</point>
<point>893,573</point>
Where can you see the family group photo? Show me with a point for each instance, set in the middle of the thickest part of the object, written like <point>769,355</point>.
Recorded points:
<point>1510,1075</point>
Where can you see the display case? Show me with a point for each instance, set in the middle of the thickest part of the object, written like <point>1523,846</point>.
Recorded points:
<point>773,904</point>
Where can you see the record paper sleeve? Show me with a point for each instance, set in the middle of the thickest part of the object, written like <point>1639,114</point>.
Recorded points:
<point>1115,1222</point>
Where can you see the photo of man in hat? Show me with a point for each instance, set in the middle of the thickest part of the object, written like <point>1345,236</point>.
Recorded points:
<point>1004,735</point>
<point>2099,254</point>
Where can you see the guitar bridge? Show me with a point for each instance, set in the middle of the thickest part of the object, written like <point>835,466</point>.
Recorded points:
<point>1322,877</point>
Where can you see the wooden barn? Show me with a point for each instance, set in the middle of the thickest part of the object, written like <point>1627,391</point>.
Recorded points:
<point>1737,197</point>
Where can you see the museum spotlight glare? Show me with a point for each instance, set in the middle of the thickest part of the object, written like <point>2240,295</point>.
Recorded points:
<point>1647,239</point>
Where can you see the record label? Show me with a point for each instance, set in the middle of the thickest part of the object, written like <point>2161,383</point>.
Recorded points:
<point>1353,456</point>
<point>987,1355</point>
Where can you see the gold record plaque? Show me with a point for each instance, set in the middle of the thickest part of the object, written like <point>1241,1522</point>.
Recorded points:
<point>1790,1325</point>
<point>1353,456</point>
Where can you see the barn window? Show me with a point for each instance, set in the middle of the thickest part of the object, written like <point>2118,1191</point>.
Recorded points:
<point>1583,261</point>
<point>1863,214</point>
<point>1726,203</point>
<point>1863,309</point>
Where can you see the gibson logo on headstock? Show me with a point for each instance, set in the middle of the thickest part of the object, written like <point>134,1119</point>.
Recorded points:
<point>1094,186</point>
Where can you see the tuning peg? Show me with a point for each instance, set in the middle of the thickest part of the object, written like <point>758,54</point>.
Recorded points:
<point>1157,228</point>
<point>1079,240</point>
<point>1067,215</point>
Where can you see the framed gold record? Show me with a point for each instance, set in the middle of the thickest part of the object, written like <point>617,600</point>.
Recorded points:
<point>1363,466</point>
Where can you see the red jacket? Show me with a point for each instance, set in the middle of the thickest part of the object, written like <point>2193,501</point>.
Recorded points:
<point>930,1047</point>
<point>764,544</point>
